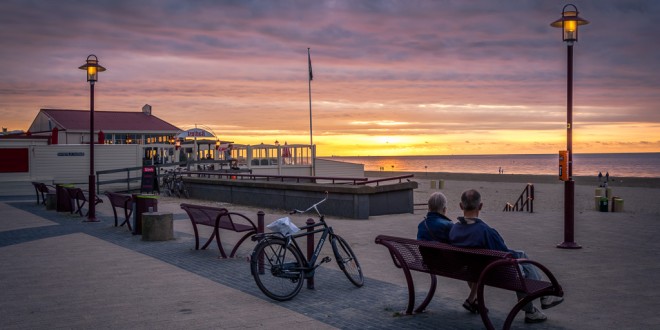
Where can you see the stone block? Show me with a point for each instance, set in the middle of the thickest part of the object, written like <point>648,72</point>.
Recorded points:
<point>157,226</point>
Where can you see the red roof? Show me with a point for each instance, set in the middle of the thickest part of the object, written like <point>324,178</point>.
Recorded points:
<point>108,121</point>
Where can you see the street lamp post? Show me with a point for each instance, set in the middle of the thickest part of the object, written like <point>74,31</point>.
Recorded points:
<point>92,68</point>
<point>569,23</point>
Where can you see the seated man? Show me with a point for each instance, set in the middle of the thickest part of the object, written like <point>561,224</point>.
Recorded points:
<point>435,226</point>
<point>471,231</point>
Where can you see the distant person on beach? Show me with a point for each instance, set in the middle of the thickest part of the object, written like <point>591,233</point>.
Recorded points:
<point>436,225</point>
<point>600,177</point>
<point>607,176</point>
<point>472,232</point>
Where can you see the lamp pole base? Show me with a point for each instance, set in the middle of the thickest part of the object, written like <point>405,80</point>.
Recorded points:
<point>91,213</point>
<point>569,245</point>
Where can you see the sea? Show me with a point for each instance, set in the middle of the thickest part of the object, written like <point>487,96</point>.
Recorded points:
<point>614,164</point>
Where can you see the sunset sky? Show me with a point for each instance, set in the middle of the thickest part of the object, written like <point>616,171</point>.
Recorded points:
<point>390,77</point>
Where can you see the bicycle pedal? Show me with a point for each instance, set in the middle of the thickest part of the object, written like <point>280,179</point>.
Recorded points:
<point>326,259</point>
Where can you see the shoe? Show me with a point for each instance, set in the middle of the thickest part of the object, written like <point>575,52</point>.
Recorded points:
<point>535,317</point>
<point>472,307</point>
<point>550,301</point>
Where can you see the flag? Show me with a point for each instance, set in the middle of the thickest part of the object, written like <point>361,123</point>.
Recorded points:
<point>309,60</point>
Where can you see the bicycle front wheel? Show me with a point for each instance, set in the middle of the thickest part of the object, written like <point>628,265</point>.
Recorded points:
<point>277,268</point>
<point>347,260</point>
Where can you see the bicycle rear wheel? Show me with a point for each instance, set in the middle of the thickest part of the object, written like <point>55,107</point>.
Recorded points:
<point>277,269</point>
<point>184,191</point>
<point>347,260</point>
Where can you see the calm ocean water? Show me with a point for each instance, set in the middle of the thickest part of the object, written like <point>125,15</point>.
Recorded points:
<point>620,165</point>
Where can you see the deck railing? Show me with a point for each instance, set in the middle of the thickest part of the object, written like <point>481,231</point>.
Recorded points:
<point>524,203</point>
<point>133,176</point>
<point>266,177</point>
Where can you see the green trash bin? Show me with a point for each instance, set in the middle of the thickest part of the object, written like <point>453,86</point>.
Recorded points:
<point>603,205</point>
<point>141,204</point>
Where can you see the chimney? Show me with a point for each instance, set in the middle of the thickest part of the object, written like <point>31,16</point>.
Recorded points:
<point>146,109</point>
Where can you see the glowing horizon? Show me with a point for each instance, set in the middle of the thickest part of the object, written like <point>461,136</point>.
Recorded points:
<point>390,78</point>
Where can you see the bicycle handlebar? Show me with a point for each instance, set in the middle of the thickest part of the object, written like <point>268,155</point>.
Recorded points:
<point>295,211</point>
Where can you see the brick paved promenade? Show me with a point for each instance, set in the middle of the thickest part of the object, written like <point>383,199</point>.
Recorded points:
<point>59,272</point>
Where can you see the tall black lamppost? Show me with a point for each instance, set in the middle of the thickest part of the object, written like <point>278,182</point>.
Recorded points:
<point>569,23</point>
<point>92,68</point>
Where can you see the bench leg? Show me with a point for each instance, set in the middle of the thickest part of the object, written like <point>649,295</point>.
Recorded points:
<point>216,232</point>
<point>128,211</point>
<point>233,251</point>
<point>128,224</point>
<point>80,206</point>
<point>114,211</point>
<point>429,296</point>
<point>411,289</point>
<point>516,309</point>
<point>196,234</point>
<point>213,236</point>
<point>77,205</point>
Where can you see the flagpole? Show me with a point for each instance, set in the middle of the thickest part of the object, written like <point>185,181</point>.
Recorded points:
<point>309,61</point>
<point>309,81</point>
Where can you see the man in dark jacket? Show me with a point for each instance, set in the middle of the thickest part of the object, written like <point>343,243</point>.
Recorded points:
<point>470,231</point>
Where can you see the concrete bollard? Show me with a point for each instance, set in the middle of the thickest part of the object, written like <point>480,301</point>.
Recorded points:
<point>597,204</point>
<point>441,184</point>
<point>157,226</point>
<point>599,192</point>
<point>433,184</point>
<point>617,204</point>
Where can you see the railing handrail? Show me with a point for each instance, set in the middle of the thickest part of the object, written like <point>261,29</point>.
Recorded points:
<point>525,201</point>
<point>377,181</point>
<point>119,170</point>
<point>268,177</point>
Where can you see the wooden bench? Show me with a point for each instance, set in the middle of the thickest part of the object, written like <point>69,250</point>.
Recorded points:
<point>123,202</point>
<point>42,190</point>
<point>220,218</point>
<point>78,195</point>
<point>481,266</point>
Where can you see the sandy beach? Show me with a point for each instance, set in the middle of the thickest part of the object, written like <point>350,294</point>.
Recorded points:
<point>638,194</point>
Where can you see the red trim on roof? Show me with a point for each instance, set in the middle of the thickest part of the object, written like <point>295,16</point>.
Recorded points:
<point>108,120</point>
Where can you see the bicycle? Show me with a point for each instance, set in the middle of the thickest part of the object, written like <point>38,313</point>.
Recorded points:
<point>279,268</point>
<point>173,184</point>
<point>167,183</point>
<point>179,186</point>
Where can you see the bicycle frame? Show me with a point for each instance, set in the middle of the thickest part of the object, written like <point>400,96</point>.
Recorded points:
<point>326,231</point>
